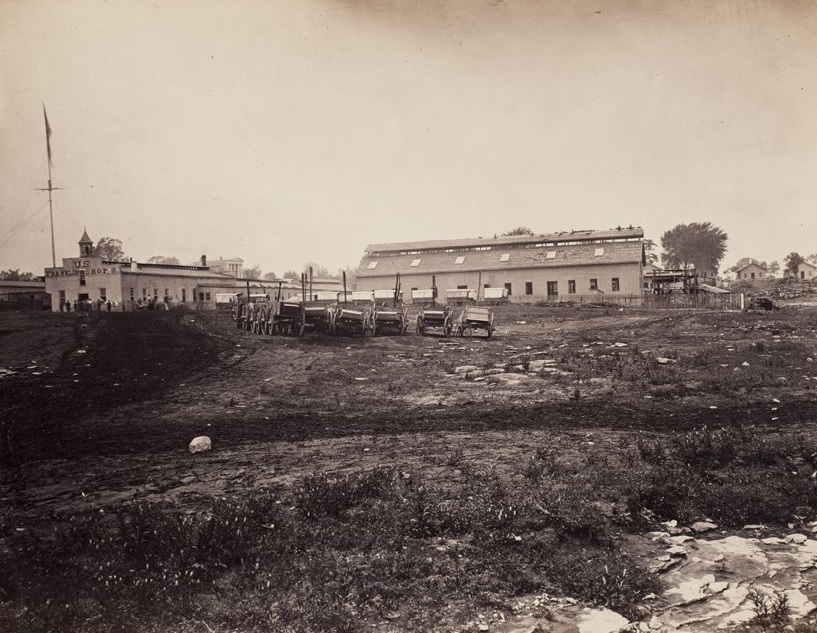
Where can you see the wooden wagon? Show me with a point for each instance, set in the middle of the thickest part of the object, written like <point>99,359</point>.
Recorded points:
<point>316,316</point>
<point>349,320</point>
<point>435,317</point>
<point>389,320</point>
<point>475,318</point>
<point>288,317</point>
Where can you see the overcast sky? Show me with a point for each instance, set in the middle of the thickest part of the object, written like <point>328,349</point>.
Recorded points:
<point>294,131</point>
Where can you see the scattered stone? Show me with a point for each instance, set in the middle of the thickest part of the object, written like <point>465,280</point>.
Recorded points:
<point>677,550</point>
<point>601,621</point>
<point>718,587</point>
<point>484,627</point>
<point>664,361</point>
<point>680,539</point>
<point>699,527</point>
<point>200,443</point>
<point>773,540</point>
<point>797,539</point>
<point>754,526</point>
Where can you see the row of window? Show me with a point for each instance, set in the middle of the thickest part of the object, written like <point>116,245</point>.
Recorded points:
<point>503,257</point>
<point>523,245</point>
<point>553,286</point>
<point>203,296</point>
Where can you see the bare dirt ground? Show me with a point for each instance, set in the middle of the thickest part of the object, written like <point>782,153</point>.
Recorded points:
<point>98,409</point>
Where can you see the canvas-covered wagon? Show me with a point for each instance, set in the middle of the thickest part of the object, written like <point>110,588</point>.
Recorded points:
<point>495,295</point>
<point>423,296</point>
<point>460,296</point>
<point>435,317</point>
<point>475,318</point>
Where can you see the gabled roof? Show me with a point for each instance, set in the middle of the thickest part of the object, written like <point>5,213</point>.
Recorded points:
<point>516,240</point>
<point>500,259</point>
<point>755,264</point>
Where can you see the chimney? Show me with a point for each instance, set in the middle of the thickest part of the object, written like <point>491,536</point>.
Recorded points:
<point>204,260</point>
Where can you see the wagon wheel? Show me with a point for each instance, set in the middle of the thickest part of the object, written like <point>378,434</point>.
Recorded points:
<point>490,331</point>
<point>420,328</point>
<point>374,327</point>
<point>446,327</point>
<point>299,328</point>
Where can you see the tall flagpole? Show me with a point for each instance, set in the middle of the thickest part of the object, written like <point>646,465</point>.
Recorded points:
<point>50,188</point>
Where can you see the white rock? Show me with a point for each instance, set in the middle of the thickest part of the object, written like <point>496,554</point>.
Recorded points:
<point>797,539</point>
<point>464,369</point>
<point>200,443</point>
<point>601,621</point>
<point>702,526</point>
<point>718,587</point>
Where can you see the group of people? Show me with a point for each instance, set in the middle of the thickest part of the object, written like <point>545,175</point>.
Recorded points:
<point>86,305</point>
<point>152,303</point>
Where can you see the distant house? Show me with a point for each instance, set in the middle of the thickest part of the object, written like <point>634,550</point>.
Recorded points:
<point>806,271</point>
<point>752,271</point>
<point>233,267</point>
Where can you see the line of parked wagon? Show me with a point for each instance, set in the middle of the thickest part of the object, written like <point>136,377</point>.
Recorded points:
<point>355,313</point>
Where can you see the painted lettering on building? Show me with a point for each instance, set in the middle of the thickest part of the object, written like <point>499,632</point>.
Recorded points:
<point>62,272</point>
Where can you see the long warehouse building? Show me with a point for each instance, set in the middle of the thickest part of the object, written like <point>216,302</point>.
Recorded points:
<point>556,266</point>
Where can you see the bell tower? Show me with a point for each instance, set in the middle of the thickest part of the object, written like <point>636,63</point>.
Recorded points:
<point>86,244</point>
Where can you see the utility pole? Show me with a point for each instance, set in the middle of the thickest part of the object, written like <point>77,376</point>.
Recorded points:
<point>50,188</point>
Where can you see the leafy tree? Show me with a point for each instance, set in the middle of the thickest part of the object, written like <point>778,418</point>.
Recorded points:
<point>318,271</point>
<point>270,276</point>
<point>698,245</point>
<point>774,268</point>
<point>519,230</point>
<point>14,274</point>
<point>812,259</point>
<point>743,261</point>
<point>109,248</point>
<point>792,262</point>
<point>650,256</point>
<point>291,274</point>
<point>161,259</point>
<point>253,273</point>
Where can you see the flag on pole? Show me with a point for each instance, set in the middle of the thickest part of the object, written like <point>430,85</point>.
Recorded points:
<point>47,136</point>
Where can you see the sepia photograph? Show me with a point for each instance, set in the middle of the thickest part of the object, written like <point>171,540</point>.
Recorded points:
<point>408,316</point>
